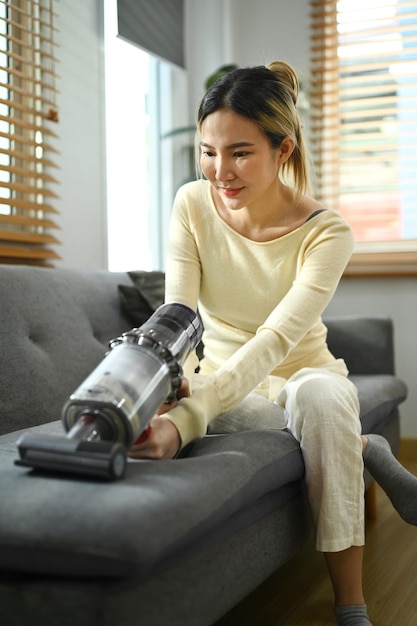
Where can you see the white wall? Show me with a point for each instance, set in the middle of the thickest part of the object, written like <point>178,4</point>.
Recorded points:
<point>220,31</point>
<point>81,130</point>
<point>245,32</point>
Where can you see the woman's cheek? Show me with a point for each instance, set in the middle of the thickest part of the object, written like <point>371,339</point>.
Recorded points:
<point>208,166</point>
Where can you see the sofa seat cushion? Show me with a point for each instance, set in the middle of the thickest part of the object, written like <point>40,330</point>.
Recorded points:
<point>379,398</point>
<point>160,512</point>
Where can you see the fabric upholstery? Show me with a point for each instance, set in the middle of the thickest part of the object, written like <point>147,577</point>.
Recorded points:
<point>138,302</point>
<point>168,507</point>
<point>175,542</point>
<point>55,328</point>
<point>379,398</point>
<point>365,343</point>
<point>263,470</point>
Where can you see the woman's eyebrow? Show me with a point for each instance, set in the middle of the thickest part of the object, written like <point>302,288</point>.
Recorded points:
<point>238,144</point>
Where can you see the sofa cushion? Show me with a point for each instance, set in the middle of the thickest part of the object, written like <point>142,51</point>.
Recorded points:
<point>55,328</point>
<point>139,302</point>
<point>160,511</point>
<point>366,344</point>
<point>379,397</point>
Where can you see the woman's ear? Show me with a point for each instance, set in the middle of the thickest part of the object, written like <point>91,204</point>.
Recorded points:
<point>286,149</point>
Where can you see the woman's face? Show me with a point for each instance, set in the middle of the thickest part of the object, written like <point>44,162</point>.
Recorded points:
<point>238,160</point>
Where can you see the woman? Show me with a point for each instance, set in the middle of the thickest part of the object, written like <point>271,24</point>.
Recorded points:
<point>261,259</point>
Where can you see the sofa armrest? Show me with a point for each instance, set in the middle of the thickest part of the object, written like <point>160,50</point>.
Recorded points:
<point>365,343</point>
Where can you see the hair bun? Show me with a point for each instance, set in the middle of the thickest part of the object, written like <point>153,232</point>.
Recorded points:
<point>285,74</point>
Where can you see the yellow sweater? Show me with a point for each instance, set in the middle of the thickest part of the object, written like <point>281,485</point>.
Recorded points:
<point>261,302</point>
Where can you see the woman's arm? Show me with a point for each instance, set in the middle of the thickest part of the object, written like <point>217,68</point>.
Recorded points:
<point>322,259</point>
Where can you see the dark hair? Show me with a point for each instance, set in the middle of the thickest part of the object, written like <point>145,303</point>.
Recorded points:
<point>268,97</point>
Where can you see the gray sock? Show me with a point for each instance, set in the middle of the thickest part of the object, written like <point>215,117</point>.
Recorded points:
<point>355,615</point>
<point>399,484</point>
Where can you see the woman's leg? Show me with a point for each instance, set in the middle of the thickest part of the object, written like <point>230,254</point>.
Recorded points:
<point>345,566</point>
<point>253,412</point>
<point>322,410</point>
<point>345,569</point>
<point>399,484</point>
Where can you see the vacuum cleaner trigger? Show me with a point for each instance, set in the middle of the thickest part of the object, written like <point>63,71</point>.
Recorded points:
<point>143,436</point>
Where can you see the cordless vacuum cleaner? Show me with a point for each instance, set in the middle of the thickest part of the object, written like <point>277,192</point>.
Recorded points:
<point>112,408</point>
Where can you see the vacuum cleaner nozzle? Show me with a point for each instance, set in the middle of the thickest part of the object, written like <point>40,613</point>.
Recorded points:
<point>100,459</point>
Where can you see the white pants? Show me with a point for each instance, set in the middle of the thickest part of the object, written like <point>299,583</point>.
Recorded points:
<point>320,408</point>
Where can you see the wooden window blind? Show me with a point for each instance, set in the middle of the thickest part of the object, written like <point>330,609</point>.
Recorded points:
<point>28,115</point>
<point>364,125</point>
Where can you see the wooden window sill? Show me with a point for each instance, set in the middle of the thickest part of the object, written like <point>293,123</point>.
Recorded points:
<point>380,264</point>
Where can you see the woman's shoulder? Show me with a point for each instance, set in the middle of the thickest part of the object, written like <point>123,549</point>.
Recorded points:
<point>313,208</point>
<point>192,206</point>
<point>194,190</point>
<point>331,217</point>
<point>193,203</point>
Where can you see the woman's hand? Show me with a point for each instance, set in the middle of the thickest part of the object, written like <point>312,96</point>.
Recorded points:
<point>182,392</point>
<point>163,440</point>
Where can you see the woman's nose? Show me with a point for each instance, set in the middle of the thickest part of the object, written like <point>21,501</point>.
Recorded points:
<point>224,170</point>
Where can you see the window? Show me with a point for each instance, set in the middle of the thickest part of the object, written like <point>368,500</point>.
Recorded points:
<point>28,113</point>
<point>364,126</point>
<point>144,102</point>
<point>127,150</point>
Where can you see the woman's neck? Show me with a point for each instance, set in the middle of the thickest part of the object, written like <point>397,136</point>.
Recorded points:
<point>270,219</point>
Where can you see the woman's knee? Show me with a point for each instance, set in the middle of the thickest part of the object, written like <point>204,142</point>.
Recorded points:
<point>320,401</point>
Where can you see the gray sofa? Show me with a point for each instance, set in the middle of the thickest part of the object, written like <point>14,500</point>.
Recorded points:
<point>175,542</point>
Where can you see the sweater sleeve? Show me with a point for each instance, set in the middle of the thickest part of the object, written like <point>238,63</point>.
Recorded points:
<point>322,259</point>
<point>183,273</point>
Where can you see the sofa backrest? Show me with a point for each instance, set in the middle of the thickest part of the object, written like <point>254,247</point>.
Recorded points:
<point>366,343</point>
<point>55,325</point>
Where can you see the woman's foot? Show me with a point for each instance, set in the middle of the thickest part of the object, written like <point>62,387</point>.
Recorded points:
<point>356,615</point>
<point>398,483</point>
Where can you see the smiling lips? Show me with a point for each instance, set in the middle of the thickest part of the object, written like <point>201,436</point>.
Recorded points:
<point>230,193</point>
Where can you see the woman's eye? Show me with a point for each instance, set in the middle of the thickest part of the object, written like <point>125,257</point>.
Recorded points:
<point>207,153</point>
<point>241,154</point>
